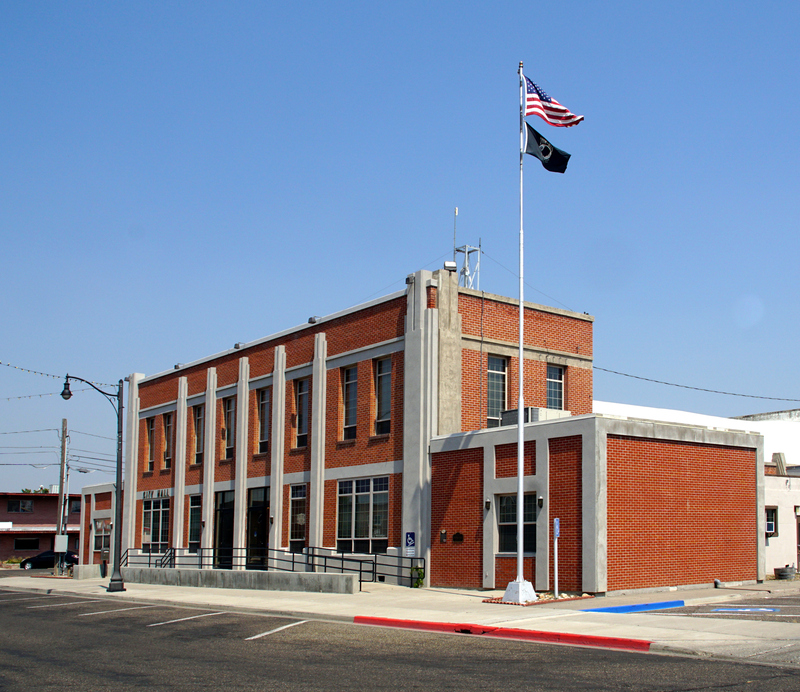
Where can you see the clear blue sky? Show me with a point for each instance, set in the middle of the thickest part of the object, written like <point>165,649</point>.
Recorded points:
<point>176,177</point>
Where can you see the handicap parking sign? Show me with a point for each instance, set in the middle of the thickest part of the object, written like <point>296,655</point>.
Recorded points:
<point>411,543</point>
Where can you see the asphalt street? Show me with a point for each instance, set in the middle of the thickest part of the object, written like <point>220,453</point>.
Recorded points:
<point>52,640</point>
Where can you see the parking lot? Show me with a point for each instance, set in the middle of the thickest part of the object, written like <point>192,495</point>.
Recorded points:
<point>766,607</point>
<point>64,640</point>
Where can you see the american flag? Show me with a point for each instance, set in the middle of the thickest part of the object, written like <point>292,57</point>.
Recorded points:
<point>537,102</point>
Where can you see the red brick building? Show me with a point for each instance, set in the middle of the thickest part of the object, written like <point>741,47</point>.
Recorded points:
<point>358,430</point>
<point>29,521</point>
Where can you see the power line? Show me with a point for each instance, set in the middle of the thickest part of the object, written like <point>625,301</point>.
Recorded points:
<point>21,432</point>
<point>698,389</point>
<point>46,374</point>
<point>102,437</point>
<point>39,396</point>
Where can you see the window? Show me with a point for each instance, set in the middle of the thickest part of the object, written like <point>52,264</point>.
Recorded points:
<point>74,506</point>
<point>383,396</point>
<point>195,522</point>
<point>26,544</point>
<point>150,426</point>
<point>199,433</point>
<point>229,431</point>
<point>507,523</point>
<point>167,440</point>
<point>20,506</point>
<point>301,403</point>
<point>297,519</point>
<point>555,387</point>
<point>155,526</point>
<point>350,401</point>
<point>772,521</point>
<point>496,387</point>
<point>363,516</point>
<point>102,534</point>
<point>262,396</point>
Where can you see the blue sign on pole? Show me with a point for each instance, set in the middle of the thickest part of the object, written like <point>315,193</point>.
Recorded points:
<point>556,527</point>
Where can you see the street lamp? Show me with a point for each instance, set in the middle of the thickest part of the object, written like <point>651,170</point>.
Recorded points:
<point>116,583</point>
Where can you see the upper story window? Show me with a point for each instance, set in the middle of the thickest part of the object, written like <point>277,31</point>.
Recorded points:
<point>74,506</point>
<point>199,417</point>
<point>350,402</point>
<point>262,398</point>
<point>150,427</point>
<point>301,407</point>
<point>496,387</point>
<point>383,396</point>
<point>229,431</point>
<point>555,387</point>
<point>168,438</point>
<point>20,506</point>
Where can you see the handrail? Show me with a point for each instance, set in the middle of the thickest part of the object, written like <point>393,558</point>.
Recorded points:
<point>370,568</point>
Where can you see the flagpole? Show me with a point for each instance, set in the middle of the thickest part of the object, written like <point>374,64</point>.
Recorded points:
<point>521,591</point>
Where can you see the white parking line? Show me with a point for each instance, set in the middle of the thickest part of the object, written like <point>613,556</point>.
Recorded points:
<point>193,617</point>
<point>277,629</point>
<point>116,610</point>
<point>17,600</point>
<point>61,605</point>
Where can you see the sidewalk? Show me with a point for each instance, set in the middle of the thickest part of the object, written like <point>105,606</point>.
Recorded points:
<point>455,610</point>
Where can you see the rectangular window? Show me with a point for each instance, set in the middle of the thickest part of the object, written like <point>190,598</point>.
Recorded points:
<point>229,432</point>
<point>297,519</point>
<point>496,388</point>
<point>195,522</point>
<point>199,433</point>
<point>555,387</point>
<point>350,401</point>
<point>363,516</point>
<point>257,527</point>
<point>150,426</point>
<point>26,544</point>
<point>301,403</point>
<point>155,526</point>
<point>102,534</point>
<point>262,397</point>
<point>20,506</point>
<point>383,396</point>
<point>168,440</point>
<point>772,521</point>
<point>74,506</point>
<point>507,524</point>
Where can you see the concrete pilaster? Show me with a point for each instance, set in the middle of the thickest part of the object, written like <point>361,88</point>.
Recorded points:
<point>131,463</point>
<point>209,462</point>
<point>178,499</point>
<point>278,447</point>
<point>449,384</point>
<point>240,477</point>
<point>420,412</point>
<point>316,497</point>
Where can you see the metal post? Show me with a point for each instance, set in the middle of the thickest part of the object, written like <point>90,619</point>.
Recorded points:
<point>116,583</point>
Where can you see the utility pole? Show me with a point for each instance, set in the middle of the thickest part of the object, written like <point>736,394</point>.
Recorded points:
<point>61,529</point>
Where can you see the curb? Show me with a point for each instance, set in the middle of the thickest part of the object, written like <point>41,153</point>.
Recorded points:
<point>596,641</point>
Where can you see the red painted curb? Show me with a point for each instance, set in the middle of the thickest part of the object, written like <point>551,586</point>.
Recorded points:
<point>596,641</point>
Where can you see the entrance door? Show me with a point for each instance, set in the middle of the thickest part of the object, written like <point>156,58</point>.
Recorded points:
<point>257,528</point>
<point>223,529</point>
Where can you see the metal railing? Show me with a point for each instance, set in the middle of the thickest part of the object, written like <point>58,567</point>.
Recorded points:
<point>406,571</point>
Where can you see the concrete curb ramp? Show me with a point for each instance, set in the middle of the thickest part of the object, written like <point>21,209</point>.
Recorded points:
<point>595,641</point>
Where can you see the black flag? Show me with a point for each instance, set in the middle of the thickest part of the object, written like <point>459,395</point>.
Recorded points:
<point>552,158</point>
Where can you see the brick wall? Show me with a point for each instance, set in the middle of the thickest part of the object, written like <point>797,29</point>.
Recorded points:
<point>679,513</point>
<point>565,499</point>
<point>457,507</point>
<point>505,460</point>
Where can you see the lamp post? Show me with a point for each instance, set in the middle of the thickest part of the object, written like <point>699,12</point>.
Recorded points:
<point>116,583</point>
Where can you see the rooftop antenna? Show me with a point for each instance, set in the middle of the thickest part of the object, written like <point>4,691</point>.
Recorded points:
<point>467,277</point>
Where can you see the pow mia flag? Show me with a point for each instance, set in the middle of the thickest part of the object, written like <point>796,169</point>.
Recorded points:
<point>552,158</point>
